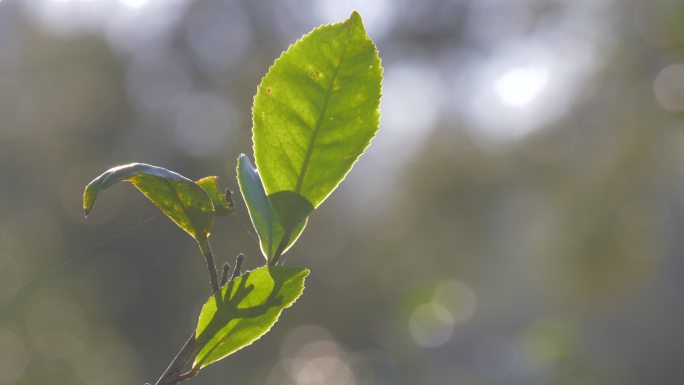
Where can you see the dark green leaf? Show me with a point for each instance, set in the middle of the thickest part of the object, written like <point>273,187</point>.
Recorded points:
<point>314,114</point>
<point>182,200</point>
<point>244,310</point>
<point>265,222</point>
<point>222,203</point>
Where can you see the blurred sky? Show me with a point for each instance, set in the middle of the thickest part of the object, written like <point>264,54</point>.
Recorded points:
<point>513,222</point>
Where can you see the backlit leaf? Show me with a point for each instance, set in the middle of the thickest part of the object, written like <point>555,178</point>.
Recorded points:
<point>223,205</point>
<point>314,114</point>
<point>182,200</point>
<point>244,310</point>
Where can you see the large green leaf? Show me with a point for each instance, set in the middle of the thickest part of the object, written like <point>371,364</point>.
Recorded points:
<point>223,205</point>
<point>182,200</point>
<point>244,310</point>
<point>314,114</point>
<point>263,217</point>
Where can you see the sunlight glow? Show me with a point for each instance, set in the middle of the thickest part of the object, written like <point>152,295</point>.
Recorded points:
<point>521,88</point>
<point>378,15</point>
<point>668,88</point>
<point>431,325</point>
<point>518,87</point>
<point>133,3</point>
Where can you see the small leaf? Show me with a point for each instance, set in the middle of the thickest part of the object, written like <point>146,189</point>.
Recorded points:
<point>314,114</point>
<point>222,202</point>
<point>263,217</point>
<point>182,200</point>
<point>244,310</point>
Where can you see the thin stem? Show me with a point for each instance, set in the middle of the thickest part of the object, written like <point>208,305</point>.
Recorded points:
<point>189,374</point>
<point>229,196</point>
<point>205,248</point>
<point>173,372</point>
<point>172,375</point>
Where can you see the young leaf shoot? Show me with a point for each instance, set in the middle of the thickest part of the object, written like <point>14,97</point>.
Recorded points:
<point>314,114</point>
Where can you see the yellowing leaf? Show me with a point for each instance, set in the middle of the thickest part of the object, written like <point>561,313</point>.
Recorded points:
<point>182,200</point>
<point>223,205</point>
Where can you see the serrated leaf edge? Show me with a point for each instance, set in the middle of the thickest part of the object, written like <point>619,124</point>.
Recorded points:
<point>306,272</point>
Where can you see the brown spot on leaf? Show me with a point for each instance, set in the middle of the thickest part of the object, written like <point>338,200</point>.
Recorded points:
<point>268,90</point>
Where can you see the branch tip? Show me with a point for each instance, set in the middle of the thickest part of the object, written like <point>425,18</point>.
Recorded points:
<point>225,274</point>
<point>238,266</point>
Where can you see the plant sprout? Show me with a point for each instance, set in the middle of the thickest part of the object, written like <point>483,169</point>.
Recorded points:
<point>314,114</point>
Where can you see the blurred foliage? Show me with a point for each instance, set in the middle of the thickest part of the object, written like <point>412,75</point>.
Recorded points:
<point>522,231</point>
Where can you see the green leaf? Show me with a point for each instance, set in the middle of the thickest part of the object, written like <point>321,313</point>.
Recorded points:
<point>182,200</point>
<point>263,217</point>
<point>244,310</point>
<point>314,114</point>
<point>223,204</point>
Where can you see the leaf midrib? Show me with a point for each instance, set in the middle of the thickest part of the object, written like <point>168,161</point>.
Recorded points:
<point>307,157</point>
<point>321,116</point>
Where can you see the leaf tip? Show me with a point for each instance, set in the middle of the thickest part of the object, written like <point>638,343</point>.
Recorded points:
<point>241,159</point>
<point>88,199</point>
<point>355,18</point>
<point>244,161</point>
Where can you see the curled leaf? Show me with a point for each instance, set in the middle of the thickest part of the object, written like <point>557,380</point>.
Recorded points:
<point>264,219</point>
<point>182,200</point>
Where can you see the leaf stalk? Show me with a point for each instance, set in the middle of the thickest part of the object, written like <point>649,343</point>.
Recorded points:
<point>205,248</point>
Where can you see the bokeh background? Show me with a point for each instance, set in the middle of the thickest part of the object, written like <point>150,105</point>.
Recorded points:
<point>515,221</point>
